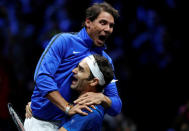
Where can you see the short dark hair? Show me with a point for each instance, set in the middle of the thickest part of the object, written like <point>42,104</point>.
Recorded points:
<point>93,11</point>
<point>106,69</point>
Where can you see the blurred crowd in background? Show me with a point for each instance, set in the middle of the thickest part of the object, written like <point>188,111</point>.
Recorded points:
<point>147,47</point>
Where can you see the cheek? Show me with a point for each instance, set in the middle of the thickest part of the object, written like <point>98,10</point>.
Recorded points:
<point>112,29</point>
<point>96,27</point>
<point>99,27</point>
<point>81,85</point>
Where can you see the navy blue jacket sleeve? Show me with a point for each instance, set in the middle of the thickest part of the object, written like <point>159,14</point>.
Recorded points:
<point>48,64</point>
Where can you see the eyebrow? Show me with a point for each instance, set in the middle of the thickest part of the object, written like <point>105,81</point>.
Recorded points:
<point>80,67</point>
<point>113,23</point>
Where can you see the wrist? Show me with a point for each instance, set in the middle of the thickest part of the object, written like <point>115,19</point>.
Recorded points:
<point>103,98</point>
<point>106,102</point>
<point>67,109</point>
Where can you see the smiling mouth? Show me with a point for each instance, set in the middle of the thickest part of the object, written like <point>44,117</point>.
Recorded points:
<point>74,80</point>
<point>102,38</point>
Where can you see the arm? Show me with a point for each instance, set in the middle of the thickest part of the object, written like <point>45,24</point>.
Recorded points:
<point>111,92</point>
<point>116,103</point>
<point>109,100</point>
<point>56,98</point>
<point>46,69</point>
<point>91,98</point>
<point>48,65</point>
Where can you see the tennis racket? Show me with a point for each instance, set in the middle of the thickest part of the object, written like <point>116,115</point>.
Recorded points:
<point>17,120</point>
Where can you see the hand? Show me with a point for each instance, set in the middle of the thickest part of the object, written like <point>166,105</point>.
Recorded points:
<point>28,113</point>
<point>77,109</point>
<point>90,98</point>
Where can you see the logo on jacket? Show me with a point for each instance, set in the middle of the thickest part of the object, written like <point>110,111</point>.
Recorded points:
<point>76,52</point>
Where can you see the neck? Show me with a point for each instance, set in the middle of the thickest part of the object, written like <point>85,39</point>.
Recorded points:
<point>83,92</point>
<point>90,89</point>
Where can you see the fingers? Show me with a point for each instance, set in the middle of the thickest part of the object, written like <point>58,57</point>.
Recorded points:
<point>28,113</point>
<point>79,100</point>
<point>83,102</point>
<point>28,116</point>
<point>90,98</point>
<point>62,129</point>
<point>88,102</point>
<point>28,107</point>
<point>87,108</point>
<point>81,112</point>
<point>79,109</point>
<point>91,103</point>
<point>83,97</point>
<point>92,106</point>
<point>85,94</point>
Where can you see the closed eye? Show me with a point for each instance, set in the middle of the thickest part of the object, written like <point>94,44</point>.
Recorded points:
<point>80,68</point>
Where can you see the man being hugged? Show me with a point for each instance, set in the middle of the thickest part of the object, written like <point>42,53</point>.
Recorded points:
<point>52,95</point>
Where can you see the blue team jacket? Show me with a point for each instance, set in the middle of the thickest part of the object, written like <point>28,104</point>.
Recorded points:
<point>91,122</point>
<point>54,72</point>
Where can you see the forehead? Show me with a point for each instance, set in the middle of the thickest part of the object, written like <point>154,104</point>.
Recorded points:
<point>84,65</point>
<point>105,16</point>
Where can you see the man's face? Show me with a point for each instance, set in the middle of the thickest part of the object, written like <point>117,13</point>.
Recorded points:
<point>101,28</point>
<point>80,80</point>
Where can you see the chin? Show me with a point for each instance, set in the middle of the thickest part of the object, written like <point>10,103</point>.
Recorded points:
<point>102,44</point>
<point>99,44</point>
<point>72,87</point>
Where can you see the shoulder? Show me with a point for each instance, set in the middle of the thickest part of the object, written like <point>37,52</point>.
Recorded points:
<point>63,39</point>
<point>67,36</point>
<point>70,39</point>
<point>97,113</point>
<point>107,57</point>
<point>93,121</point>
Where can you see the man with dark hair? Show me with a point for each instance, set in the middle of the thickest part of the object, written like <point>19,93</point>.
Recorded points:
<point>93,11</point>
<point>91,75</point>
<point>52,93</point>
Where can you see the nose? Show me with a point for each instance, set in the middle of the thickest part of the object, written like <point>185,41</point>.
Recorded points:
<point>108,29</point>
<point>74,70</point>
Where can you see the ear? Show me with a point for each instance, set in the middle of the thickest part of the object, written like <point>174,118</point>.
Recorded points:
<point>87,23</point>
<point>94,82</point>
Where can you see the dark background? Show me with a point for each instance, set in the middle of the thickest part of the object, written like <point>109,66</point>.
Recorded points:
<point>148,48</point>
